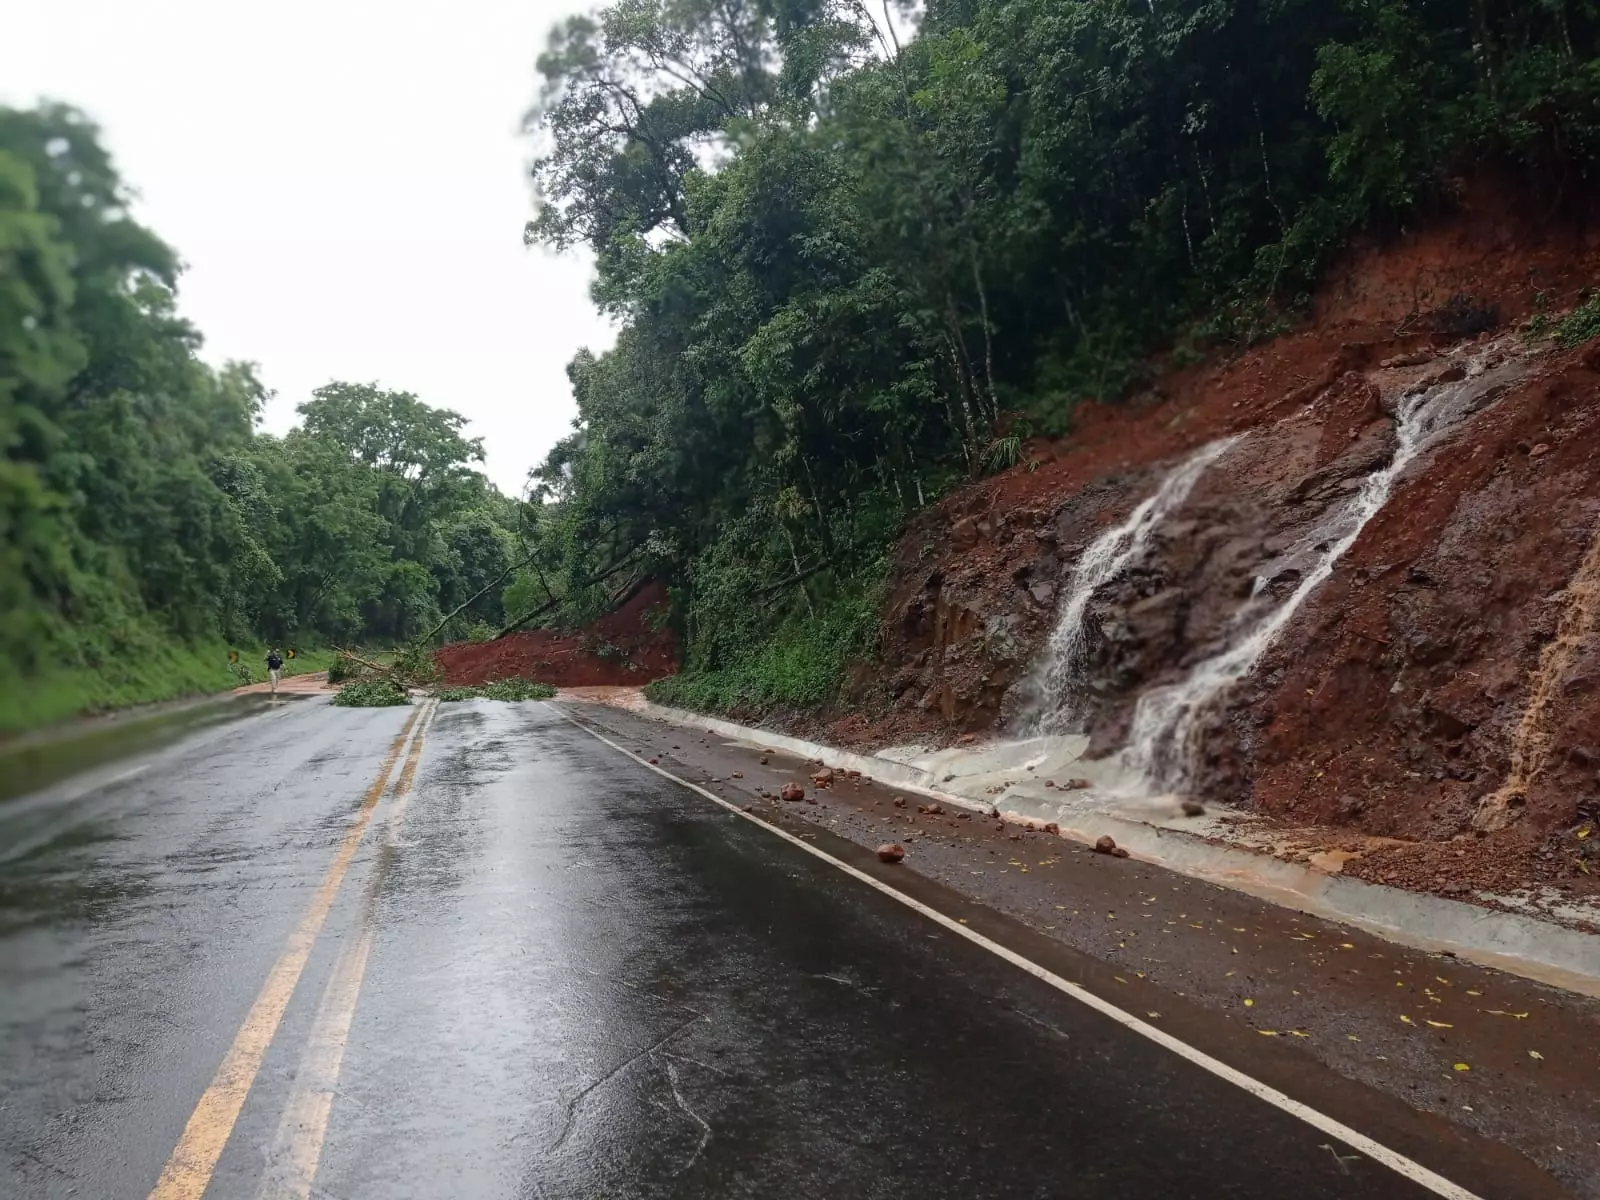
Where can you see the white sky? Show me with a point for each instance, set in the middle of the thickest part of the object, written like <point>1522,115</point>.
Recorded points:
<point>346,182</point>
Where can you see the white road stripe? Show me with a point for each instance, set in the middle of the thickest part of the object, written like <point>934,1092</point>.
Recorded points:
<point>1395,1161</point>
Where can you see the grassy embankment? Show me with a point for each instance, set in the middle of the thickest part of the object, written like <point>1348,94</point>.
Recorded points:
<point>165,672</point>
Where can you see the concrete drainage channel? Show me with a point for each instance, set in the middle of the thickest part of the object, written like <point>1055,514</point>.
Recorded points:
<point>1511,942</point>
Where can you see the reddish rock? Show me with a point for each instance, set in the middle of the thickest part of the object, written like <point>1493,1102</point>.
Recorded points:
<point>792,792</point>
<point>899,801</point>
<point>1052,828</point>
<point>891,852</point>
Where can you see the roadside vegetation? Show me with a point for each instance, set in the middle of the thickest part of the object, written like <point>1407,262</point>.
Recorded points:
<point>147,526</point>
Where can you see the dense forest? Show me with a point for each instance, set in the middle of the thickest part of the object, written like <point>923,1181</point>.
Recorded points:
<point>854,267</point>
<point>145,523</point>
<point>856,256</point>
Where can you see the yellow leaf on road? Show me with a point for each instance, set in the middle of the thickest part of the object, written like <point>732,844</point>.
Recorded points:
<point>1249,1003</point>
<point>1407,1019</point>
<point>1462,1067</point>
<point>1536,1055</point>
<point>1440,1025</point>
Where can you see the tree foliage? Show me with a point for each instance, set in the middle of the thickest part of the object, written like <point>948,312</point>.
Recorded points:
<point>139,504</point>
<point>851,268</point>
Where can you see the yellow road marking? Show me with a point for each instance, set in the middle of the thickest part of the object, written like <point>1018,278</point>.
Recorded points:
<point>297,1149</point>
<point>298,1146</point>
<point>402,789</point>
<point>188,1171</point>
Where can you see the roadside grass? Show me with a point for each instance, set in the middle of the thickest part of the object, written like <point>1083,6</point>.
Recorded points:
<point>148,672</point>
<point>802,665</point>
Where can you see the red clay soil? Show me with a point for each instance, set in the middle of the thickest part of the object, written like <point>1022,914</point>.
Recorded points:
<point>630,646</point>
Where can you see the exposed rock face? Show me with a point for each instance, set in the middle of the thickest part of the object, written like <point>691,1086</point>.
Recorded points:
<point>1442,681</point>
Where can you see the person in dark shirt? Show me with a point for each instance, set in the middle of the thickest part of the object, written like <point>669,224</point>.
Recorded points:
<point>274,667</point>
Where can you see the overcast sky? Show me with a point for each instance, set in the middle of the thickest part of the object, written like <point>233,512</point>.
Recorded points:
<point>345,181</point>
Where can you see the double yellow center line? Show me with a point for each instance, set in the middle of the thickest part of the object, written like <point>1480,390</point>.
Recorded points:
<point>188,1172</point>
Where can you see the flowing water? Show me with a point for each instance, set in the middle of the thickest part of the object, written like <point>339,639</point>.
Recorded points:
<point>1161,747</point>
<point>1058,679</point>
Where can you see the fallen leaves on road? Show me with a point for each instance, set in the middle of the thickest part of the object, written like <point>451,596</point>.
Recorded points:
<point>1441,1025</point>
<point>1462,1067</point>
<point>1500,1012</point>
<point>1534,1054</point>
<point>1406,1020</point>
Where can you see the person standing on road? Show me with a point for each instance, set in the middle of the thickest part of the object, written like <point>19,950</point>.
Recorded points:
<point>274,667</point>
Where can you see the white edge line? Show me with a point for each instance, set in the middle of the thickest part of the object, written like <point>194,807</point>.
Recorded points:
<point>1376,1151</point>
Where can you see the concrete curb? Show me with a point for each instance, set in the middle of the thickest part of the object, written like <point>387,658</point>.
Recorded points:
<point>1511,942</point>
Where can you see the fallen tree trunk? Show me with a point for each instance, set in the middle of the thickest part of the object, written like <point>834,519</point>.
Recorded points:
<point>626,561</point>
<point>482,592</point>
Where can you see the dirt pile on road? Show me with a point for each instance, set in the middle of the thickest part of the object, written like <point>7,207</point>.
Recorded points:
<point>1435,676</point>
<point>628,647</point>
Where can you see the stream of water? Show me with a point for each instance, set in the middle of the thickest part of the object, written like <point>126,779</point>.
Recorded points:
<point>1161,747</point>
<point>1058,679</point>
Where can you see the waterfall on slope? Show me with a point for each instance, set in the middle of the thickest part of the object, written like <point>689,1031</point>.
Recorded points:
<point>1057,678</point>
<point>1161,747</point>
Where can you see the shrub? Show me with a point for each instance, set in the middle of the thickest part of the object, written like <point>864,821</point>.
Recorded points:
<point>1581,324</point>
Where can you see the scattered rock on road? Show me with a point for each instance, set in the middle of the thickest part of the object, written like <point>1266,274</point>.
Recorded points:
<point>1106,844</point>
<point>791,792</point>
<point>1193,808</point>
<point>891,852</point>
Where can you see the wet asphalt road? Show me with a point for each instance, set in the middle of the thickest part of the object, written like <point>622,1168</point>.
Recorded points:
<point>547,972</point>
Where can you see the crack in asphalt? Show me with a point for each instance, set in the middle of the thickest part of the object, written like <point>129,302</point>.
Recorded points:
<point>572,1105</point>
<point>705,1129</point>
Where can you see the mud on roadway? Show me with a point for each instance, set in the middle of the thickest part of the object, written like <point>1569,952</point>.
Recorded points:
<point>1271,991</point>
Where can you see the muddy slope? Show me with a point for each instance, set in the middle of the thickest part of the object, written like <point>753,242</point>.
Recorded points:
<point>630,646</point>
<point>1439,687</point>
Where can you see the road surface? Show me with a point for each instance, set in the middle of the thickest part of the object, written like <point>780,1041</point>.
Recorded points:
<point>472,951</point>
